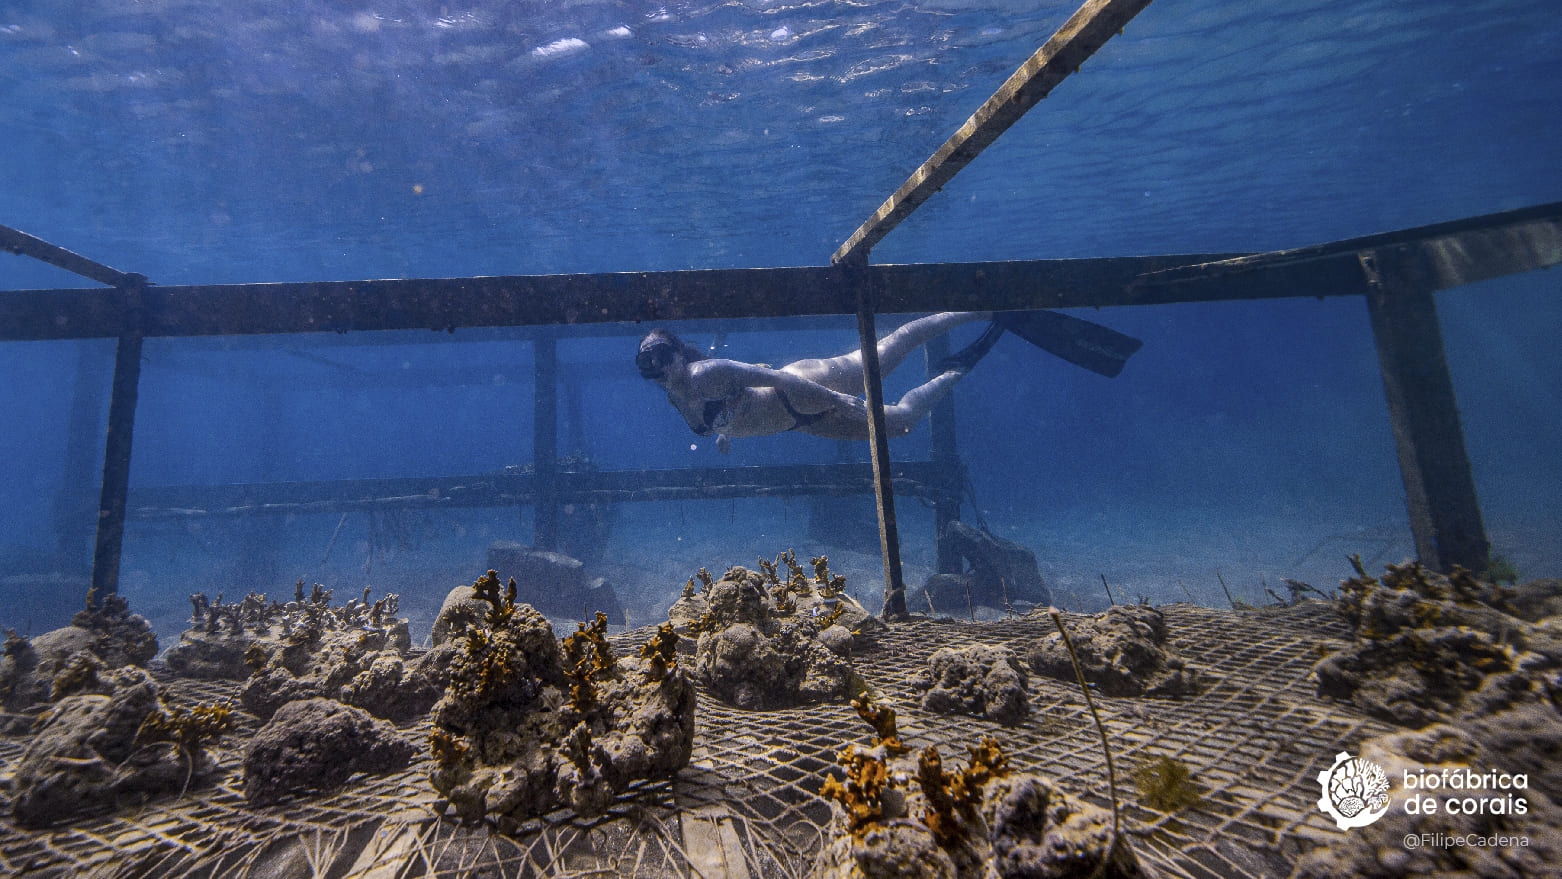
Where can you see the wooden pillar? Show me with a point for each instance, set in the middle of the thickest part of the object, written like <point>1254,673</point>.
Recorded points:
<point>858,279</point>
<point>946,461</point>
<point>1439,488</point>
<point>545,439</point>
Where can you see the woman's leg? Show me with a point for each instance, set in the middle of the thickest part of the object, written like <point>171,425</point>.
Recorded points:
<point>844,373</point>
<point>901,417</point>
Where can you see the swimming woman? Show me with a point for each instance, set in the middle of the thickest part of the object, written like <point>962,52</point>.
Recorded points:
<point>730,398</point>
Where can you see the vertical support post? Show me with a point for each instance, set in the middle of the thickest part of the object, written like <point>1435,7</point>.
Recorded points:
<point>575,420</point>
<point>860,282</point>
<point>262,536</point>
<point>946,457</point>
<point>73,505</point>
<point>116,452</point>
<point>1445,517</point>
<point>545,439</point>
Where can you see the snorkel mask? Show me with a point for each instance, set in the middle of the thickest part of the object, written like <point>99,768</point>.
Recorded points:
<point>655,355</point>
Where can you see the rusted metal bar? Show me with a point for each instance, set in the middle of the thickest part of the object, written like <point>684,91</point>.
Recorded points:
<point>1445,517</point>
<point>1450,254</point>
<point>861,285</point>
<point>431,304</point>
<point>116,458</point>
<point>1086,31</point>
<point>1455,253</point>
<point>156,503</point>
<point>110,537</point>
<point>19,242</point>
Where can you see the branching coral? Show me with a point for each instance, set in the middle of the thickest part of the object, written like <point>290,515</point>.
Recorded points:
<point>530,722</point>
<point>662,651</point>
<point>910,815</point>
<point>833,616</point>
<point>120,637</point>
<point>483,668</point>
<point>987,762</point>
<point>256,657</point>
<point>939,816</point>
<point>78,674</point>
<point>1426,645</point>
<point>586,654</point>
<point>1378,607</point>
<point>448,749</point>
<point>882,719</point>
<point>768,570</point>
<point>862,794</point>
<point>954,798</point>
<point>796,584</point>
<point>500,608</point>
<point>829,586</point>
<point>187,729</point>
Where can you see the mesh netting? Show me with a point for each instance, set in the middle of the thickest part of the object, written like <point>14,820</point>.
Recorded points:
<point>748,803</point>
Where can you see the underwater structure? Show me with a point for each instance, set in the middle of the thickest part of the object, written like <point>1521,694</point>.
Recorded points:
<point>734,747</point>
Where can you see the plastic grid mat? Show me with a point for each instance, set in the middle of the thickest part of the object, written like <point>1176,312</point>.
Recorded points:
<point>748,804</point>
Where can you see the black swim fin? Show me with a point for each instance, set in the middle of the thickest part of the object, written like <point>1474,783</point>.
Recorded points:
<point>964,360</point>
<point>1099,349</point>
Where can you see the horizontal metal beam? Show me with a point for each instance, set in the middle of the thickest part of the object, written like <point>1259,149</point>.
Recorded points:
<point>433,304</point>
<point>1442,255</point>
<point>1445,254</point>
<point>521,300</point>
<point>1086,31</point>
<point>28,245</point>
<point>918,478</point>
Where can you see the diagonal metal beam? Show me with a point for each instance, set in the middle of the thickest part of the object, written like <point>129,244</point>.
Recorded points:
<point>21,243</point>
<point>1086,31</point>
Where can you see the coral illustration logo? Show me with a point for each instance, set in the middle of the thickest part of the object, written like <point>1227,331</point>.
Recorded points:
<point>1355,791</point>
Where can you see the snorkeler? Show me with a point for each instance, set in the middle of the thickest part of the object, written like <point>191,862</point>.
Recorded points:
<point>730,398</point>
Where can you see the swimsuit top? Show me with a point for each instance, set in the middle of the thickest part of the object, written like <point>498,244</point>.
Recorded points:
<point>717,414</point>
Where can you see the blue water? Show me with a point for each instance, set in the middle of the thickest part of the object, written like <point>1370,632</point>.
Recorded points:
<point>198,141</point>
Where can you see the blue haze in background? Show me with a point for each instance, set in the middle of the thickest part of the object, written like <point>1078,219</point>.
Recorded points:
<point>198,141</point>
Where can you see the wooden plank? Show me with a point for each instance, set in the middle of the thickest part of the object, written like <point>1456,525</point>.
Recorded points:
<point>711,843</point>
<point>1086,30</point>
<point>1445,516</point>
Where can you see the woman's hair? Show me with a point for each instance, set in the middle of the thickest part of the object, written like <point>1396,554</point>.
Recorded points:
<point>657,350</point>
